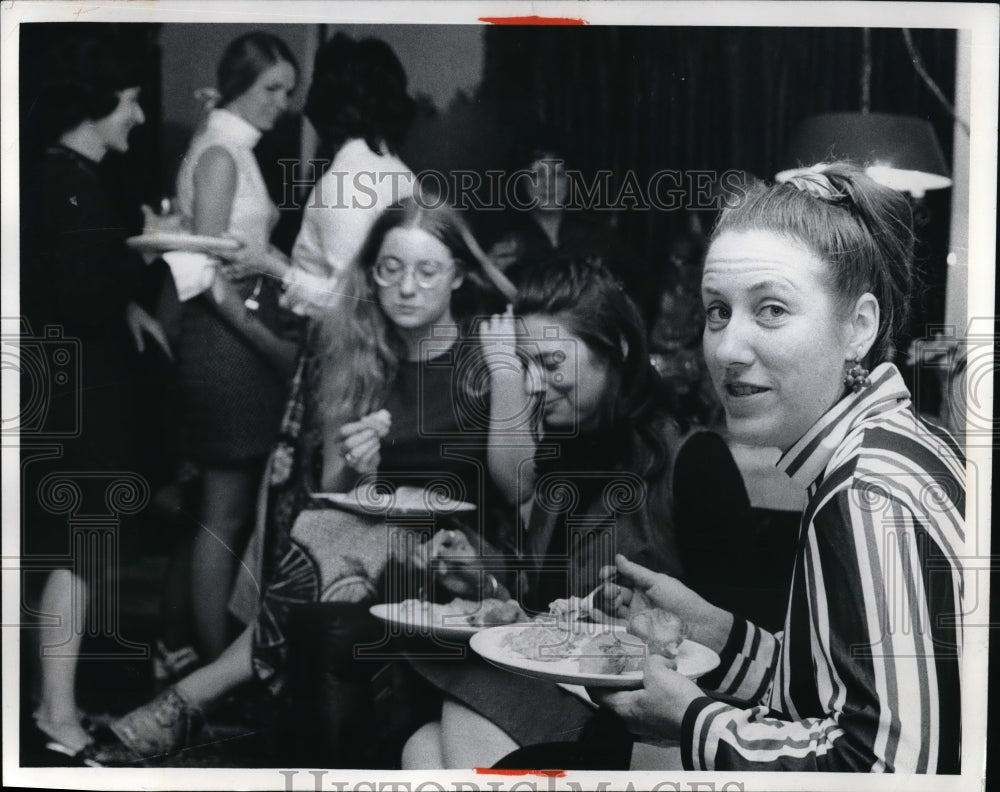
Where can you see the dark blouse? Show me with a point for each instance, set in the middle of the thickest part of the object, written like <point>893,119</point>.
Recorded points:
<point>76,271</point>
<point>81,387</point>
<point>439,428</point>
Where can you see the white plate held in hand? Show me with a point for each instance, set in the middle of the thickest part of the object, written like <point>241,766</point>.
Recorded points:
<point>403,501</point>
<point>558,658</point>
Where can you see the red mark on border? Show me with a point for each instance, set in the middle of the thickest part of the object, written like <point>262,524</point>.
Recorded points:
<point>505,772</point>
<point>533,20</point>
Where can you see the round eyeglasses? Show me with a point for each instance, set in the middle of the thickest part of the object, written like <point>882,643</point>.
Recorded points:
<point>426,273</point>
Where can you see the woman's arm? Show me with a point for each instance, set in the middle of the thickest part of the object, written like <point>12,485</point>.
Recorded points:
<point>214,190</point>
<point>511,449</point>
<point>872,647</point>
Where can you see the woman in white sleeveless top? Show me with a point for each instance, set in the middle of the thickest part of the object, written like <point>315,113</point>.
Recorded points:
<point>233,363</point>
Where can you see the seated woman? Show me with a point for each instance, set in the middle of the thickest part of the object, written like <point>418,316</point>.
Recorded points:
<point>599,483</point>
<point>383,390</point>
<point>806,284</point>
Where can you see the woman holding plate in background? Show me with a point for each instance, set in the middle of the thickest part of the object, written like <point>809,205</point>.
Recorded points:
<point>236,349</point>
<point>806,285</point>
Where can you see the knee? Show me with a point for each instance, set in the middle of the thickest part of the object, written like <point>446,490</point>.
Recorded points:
<point>423,750</point>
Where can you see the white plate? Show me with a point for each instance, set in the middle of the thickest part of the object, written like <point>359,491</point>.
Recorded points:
<point>404,501</point>
<point>693,659</point>
<point>431,619</point>
<point>163,241</point>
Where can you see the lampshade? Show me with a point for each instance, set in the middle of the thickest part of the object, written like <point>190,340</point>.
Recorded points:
<point>901,152</point>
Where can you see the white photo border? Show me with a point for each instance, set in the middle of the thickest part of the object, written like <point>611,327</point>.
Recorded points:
<point>980,20</point>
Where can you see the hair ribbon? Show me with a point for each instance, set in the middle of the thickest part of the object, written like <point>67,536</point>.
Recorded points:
<point>815,182</point>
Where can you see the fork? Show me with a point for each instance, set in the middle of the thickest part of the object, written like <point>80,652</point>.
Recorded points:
<point>577,607</point>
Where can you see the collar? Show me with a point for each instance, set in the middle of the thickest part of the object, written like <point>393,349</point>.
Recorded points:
<point>234,127</point>
<point>83,159</point>
<point>805,461</point>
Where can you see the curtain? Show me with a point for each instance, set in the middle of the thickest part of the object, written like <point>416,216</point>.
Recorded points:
<point>642,99</point>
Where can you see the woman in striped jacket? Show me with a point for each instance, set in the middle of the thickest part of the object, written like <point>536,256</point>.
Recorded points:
<point>805,285</point>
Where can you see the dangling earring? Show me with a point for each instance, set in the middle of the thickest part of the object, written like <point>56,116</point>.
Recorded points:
<point>856,378</point>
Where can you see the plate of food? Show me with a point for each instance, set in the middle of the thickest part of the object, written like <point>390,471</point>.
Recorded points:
<point>591,653</point>
<point>402,501</point>
<point>458,619</point>
<point>165,241</point>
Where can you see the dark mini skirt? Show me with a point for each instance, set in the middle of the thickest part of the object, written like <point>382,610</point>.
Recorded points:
<point>529,710</point>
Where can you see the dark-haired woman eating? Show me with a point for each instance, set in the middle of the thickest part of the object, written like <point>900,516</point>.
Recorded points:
<point>598,482</point>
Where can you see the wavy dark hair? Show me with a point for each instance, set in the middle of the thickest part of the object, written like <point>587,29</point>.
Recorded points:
<point>587,299</point>
<point>245,59</point>
<point>356,351</point>
<point>358,90</point>
<point>82,79</point>
<point>862,229</point>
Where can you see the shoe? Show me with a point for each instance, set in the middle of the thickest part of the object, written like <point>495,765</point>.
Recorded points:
<point>41,750</point>
<point>163,725</point>
<point>58,755</point>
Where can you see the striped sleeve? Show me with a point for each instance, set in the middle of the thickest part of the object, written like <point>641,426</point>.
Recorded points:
<point>747,663</point>
<point>881,694</point>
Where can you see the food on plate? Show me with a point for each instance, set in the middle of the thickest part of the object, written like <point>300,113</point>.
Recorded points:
<point>612,653</point>
<point>477,613</point>
<point>652,631</point>
<point>545,640</point>
<point>662,631</point>
<point>573,609</point>
<point>491,612</point>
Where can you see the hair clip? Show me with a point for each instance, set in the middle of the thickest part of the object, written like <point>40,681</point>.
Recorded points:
<point>817,185</point>
<point>813,180</point>
<point>208,96</point>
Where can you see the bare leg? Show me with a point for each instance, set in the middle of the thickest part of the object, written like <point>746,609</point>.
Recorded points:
<point>227,505</point>
<point>64,597</point>
<point>470,740</point>
<point>423,751</point>
<point>168,722</point>
<point>229,670</point>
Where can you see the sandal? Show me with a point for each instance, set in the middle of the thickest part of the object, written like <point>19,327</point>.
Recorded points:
<point>46,751</point>
<point>163,725</point>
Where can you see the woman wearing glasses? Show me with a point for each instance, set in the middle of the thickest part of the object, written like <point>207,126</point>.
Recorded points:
<point>389,388</point>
